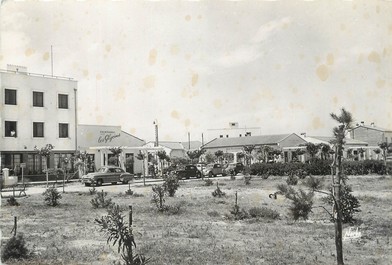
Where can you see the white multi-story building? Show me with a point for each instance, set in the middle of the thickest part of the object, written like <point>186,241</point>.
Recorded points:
<point>36,110</point>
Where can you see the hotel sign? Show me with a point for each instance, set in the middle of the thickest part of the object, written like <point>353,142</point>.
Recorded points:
<point>107,136</point>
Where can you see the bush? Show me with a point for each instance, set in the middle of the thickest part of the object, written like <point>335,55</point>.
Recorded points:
<point>217,192</point>
<point>92,191</point>
<point>247,179</point>
<point>129,192</point>
<point>302,201</point>
<point>349,203</point>
<point>263,212</point>
<point>118,232</point>
<point>171,184</point>
<point>208,182</point>
<point>101,200</point>
<point>51,196</point>
<point>15,249</point>
<point>292,180</point>
<point>158,197</point>
<point>12,201</point>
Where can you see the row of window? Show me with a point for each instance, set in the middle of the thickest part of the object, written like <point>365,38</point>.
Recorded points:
<point>38,129</point>
<point>10,98</point>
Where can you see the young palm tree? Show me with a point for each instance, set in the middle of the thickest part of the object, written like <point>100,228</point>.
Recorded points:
<point>219,155</point>
<point>345,123</point>
<point>45,153</point>
<point>141,156</point>
<point>248,149</point>
<point>116,151</point>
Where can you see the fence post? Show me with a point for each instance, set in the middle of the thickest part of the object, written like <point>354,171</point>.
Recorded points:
<point>15,225</point>
<point>130,217</point>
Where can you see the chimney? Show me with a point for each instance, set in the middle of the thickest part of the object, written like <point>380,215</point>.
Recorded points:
<point>240,135</point>
<point>303,134</point>
<point>372,124</point>
<point>227,136</point>
<point>362,123</point>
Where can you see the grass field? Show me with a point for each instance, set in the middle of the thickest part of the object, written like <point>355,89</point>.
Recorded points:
<point>201,233</point>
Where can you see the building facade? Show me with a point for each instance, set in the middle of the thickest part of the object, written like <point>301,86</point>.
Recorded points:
<point>97,140</point>
<point>36,110</point>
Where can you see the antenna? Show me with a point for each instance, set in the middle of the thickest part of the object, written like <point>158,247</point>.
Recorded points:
<point>51,58</point>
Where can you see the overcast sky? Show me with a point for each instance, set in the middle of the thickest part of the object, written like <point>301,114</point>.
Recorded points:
<point>194,66</point>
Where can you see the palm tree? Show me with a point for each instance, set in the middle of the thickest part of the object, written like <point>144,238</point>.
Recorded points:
<point>45,152</point>
<point>345,123</point>
<point>248,149</point>
<point>116,151</point>
<point>141,156</point>
<point>325,151</point>
<point>219,155</point>
<point>386,149</point>
<point>312,149</point>
<point>162,156</point>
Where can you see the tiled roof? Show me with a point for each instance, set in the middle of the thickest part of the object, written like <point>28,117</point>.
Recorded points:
<point>330,138</point>
<point>247,140</point>
<point>194,145</point>
<point>372,128</point>
<point>172,145</point>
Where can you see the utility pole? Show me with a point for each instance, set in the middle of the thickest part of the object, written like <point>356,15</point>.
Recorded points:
<point>189,141</point>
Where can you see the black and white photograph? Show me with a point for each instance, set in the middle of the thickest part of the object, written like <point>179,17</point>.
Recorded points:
<point>202,132</point>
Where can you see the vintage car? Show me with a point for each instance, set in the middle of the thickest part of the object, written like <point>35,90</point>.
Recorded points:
<point>188,172</point>
<point>234,168</point>
<point>107,174</point>
<point>212,170</point>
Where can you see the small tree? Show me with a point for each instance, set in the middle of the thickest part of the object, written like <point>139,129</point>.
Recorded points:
<point>52,196</point>
<point>80,162</point>
<point>219,155</point>
<point>141,156</point>
<point>116,151</point>
<point>248,149</point>
<point>117,231</point>
<point>386,149</point>
<point>171,184</point>
<point>312,149</point>
<point>15,248</point>
<point>45,153</point>
<point>209,157</point>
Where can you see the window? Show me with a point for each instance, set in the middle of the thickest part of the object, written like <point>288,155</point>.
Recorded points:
<point>10,129</point>
<point>38,99</point>
<point>63,101</point>
<point>63,130</point>
<point>10,97</point>
<point>38,129</point>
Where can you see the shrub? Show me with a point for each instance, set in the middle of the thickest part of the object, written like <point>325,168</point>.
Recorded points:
<point>292,180</point>
<point>129,192</point>
<point>158,197</point>
<point>208,182</point>
<point>213,213</point>
<point>12,201</point>
<point>171,184</point>
<point>247,179</point>
<point>51,196</point>
<point>349,204</point>
<point>15,249</point>
<point>302,201</point>
<point>118,232</point>
<point>217,192</point>
<point>92,191</point>
<point>263,212</point>
<point>101,200</point>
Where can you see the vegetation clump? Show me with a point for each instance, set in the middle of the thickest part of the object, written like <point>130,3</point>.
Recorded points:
<point>118,232</point>
<point>15,249</point>
<point>171,184</point>
<point>101,201</point>
<point>12,201</point>
<point>208,182</point>
<point>218,192</point>
<point>52,196</point>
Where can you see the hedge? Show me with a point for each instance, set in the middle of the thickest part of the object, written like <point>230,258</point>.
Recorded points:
<point>320,167</point>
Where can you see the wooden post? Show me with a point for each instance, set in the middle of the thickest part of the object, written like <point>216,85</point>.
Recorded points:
<point>15,225</point>
<point>130,217</point>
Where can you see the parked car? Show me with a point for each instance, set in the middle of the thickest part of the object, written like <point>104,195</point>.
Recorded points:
<point>107,174</point>
<point>188,172</point>
<point>212,170</point>
<point>234,168</point>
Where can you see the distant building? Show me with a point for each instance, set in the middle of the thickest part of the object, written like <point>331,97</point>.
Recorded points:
<point>172,149</point>
<point>371,134</point>
<point>233,130</point>
<point>36,110</point>
<point>287,143</point>
<point>97,140</point>
<point>191,145</point>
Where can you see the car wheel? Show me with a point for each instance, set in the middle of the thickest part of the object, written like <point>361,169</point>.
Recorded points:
<point>125,181</point>
<point>210,175</point>
<point>87,184</point>
<point>198,175</point>
<point>114,183</point>
<point>99,182</point>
